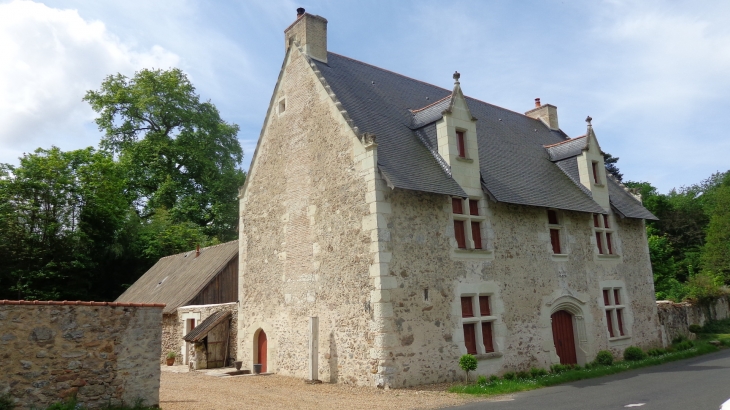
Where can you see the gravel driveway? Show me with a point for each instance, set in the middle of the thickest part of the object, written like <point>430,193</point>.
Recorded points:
<point>198,391</point>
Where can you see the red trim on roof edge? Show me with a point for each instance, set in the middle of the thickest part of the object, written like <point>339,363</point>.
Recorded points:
<point>78,303</point>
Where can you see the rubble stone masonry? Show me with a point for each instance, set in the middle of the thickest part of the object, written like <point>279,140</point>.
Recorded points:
<point>97,351</point>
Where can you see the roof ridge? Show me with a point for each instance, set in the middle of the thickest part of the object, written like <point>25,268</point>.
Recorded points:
<point>424,82</point>
<point>563,142</point>
<point>192,250</point>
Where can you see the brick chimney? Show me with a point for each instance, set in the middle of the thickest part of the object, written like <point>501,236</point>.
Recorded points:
<point>310,31</point>
<point>546,113</point>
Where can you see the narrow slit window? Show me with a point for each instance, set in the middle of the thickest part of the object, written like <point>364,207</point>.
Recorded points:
<point>596,179</point>
<point>461,144</point>
<point>425,294</point>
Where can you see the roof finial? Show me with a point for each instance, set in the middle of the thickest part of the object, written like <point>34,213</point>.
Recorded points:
<point>456,77</point>
<point>588,120</point>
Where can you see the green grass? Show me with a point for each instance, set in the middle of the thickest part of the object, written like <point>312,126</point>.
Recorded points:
<point>503,386</point>
<point>72,405</point>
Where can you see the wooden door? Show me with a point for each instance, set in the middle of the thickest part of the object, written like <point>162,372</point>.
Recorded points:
<point>563,337</point>
<point>262,353</point>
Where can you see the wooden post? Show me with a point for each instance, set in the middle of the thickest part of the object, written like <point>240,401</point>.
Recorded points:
<point>313,349</point>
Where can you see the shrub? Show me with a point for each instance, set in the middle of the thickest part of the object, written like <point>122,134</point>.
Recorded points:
<point>509,376</point>
<point>493,378</point>
<point>588,366</point>
<point>171,355</point>
<point>604,357</point>
<point>577,367</point>
<point>468,363</point>
<point>695,328</point>
<point>535,372</point>
<point>481,380</point>
<point>558,368</point>
<point>679,339</point>
<point>523,375</point>
<point>685,345</point>
<point>633,353</point>
<point>656,352</point>
<point>6,402</point>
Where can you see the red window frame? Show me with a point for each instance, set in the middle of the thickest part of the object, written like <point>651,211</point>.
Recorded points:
<point>609,319</point>
<point>457,205</point>
<point>476,235</point>
<point>460,144</point>
<point>460,234</point>
<point>470,338</point>
<point>487,337</point>
<point>467,308</point>
<point>599,241</point>
<point>473,207</point>
<point>555,240</point>
<point>484,309</point>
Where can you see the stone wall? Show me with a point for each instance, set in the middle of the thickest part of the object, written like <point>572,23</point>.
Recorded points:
<point>676,318</point>
<point>171,337</point>
<point>100,352</point>
<point>304,251</point>
<point>526,281</point>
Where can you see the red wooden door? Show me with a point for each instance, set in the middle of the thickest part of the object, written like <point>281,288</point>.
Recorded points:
<point>262,350</point>
<point>563,337</point>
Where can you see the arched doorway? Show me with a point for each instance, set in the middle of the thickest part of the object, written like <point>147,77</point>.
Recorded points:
<point>262,350</point>
<point>564,336</point>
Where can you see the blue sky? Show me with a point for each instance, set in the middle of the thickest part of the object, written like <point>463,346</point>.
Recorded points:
<point>654,75</point>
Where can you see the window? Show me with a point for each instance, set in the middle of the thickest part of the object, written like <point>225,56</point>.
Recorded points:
<point>467,225</point>
<point>425,294</point>
<point>604,234</point>
<point>282,106</point>
<point>460,144</point>
<point>478,329</point>
<point>613,304</point>
<point>555,228</point>
<point>596,177</point>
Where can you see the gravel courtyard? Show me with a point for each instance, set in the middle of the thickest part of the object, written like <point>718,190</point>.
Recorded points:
<point>198,391</point>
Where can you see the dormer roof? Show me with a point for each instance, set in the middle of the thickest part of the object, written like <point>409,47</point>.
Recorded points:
<point>515,165</point>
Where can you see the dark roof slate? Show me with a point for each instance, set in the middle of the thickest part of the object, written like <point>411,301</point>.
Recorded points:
<point>567,149</point>
<point>176,279</point>
<point>515,165</point>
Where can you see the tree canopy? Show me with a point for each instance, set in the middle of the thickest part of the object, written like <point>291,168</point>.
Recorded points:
<point>177,152</point>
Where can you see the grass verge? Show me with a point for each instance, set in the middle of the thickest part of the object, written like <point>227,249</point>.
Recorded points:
<point>502,386</point>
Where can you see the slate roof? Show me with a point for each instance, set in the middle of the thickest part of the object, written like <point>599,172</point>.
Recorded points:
<point>175,280</point>
<point>516,152</point>
<point>201,331</point>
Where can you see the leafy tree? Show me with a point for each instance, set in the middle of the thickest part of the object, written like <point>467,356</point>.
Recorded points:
<point>58,211</point>
<point>716,252</point>
<point>468,363</point>
<point>178,153</point>
<point>610,162</point>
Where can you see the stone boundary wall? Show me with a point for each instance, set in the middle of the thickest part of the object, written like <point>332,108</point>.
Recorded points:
<point>676,318</point>
<point>100,352</point>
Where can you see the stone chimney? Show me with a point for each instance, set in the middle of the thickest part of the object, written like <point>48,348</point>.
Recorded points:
<point>310,32</point>
<point>546,113</point>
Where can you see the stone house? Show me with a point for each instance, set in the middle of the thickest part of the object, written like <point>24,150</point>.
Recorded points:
<point>418,225</point>
<point>193,285</point>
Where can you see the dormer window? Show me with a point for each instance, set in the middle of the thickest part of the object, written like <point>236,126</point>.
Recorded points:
<point>596,177</point>
<point>460,144</point>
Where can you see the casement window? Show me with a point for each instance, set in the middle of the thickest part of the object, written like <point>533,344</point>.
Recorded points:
<point>603,229</point>
<point>478,324</point>
<point>596,174</point>
<point>613,304</point>
<point>467,223</point>
<point>461,144</point>
<point>555,232</point>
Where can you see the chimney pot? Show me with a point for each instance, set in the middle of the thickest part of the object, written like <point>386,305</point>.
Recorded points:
<point>300,12</point>
<point>537,102</point>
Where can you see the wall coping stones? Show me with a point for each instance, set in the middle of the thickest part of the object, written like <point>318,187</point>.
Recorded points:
<point>78,303</point>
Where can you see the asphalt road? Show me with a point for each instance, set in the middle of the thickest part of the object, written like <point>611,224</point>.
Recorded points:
<point>693,384</point>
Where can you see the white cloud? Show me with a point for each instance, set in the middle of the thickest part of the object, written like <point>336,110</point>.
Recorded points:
<point>51,57</point>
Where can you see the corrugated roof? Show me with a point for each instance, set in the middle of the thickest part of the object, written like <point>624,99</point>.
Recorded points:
<point>175,280</point>
<point>515,167</point>
<point>201,331</point>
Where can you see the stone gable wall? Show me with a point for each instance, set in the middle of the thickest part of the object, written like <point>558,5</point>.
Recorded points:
<point>102,353</point>
<point>526,280</point>
<point>304,251</point>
